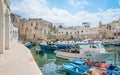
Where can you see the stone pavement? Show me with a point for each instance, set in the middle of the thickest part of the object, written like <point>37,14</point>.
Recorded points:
<point>18,61</point>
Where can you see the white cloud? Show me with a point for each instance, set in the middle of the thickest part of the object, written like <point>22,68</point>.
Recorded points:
<point>39,8</point>
<point>80,3</point>
<point>100,10</point>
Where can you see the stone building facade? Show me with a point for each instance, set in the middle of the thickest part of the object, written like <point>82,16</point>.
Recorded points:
<point>107,31</point>
<point>32,29</point>
<point>39,29</point>
<point>36,29</point>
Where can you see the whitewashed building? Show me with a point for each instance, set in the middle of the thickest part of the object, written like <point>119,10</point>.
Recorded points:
<point>74,31</point>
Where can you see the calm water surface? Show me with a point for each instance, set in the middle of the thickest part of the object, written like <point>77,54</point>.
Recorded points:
<point>51,65</point>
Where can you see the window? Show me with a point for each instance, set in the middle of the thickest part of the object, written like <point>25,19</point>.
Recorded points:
<point>66,33</point>
<point>31,24</point>
<point>118,33</point>
<point>34,35</point>
<point>82,31</point>
<point>13,20</point>
<point>48,32</point>
<point>44,31</point>
<point>94,46</point>
<point>36,24</point>
<point>60,26</point>
<point>36,28</point>
<point>54,32</point>
<point>77,32</point>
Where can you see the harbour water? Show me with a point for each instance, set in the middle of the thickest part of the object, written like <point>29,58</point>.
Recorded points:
<point>51,65</point>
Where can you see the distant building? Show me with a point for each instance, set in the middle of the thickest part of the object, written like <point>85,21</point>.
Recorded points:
<point>59,25</point>
<point>16,19</point>
<point>114,29</point>
<point>74,31</point>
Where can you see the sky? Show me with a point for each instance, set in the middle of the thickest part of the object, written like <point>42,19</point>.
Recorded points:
<point>69,12</point>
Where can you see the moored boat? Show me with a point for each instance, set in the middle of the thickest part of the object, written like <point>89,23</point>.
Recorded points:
<point>48,47</point>
<point>74,69</point>
<point>29,45</point>
<point>93,51</point>
<point>64,46</point>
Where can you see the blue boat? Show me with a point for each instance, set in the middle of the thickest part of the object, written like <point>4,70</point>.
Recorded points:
<point>29,45</point>
<point>116,44</point>
<point>78,62</point>
<point>106,44</point>
<point>113,70</point>
<point>64,46</point>
<point>48,47</point>
<point>81,63</point>
<point>73,69</point>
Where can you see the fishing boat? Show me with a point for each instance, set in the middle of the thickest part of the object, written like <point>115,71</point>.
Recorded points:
<point>78,62</point>
<point>110,69</point>
<point>48,47</point>
<point>93,51</point>
<point>64,46</point>
<point>29,45</point>
<point>73,69</point>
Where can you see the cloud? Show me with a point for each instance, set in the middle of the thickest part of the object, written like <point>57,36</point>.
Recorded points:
<point>78,3</point>
<point>39,9</point>
<point>100,10</point>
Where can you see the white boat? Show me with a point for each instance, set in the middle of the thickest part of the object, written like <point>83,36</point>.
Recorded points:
<point>94,51</point>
